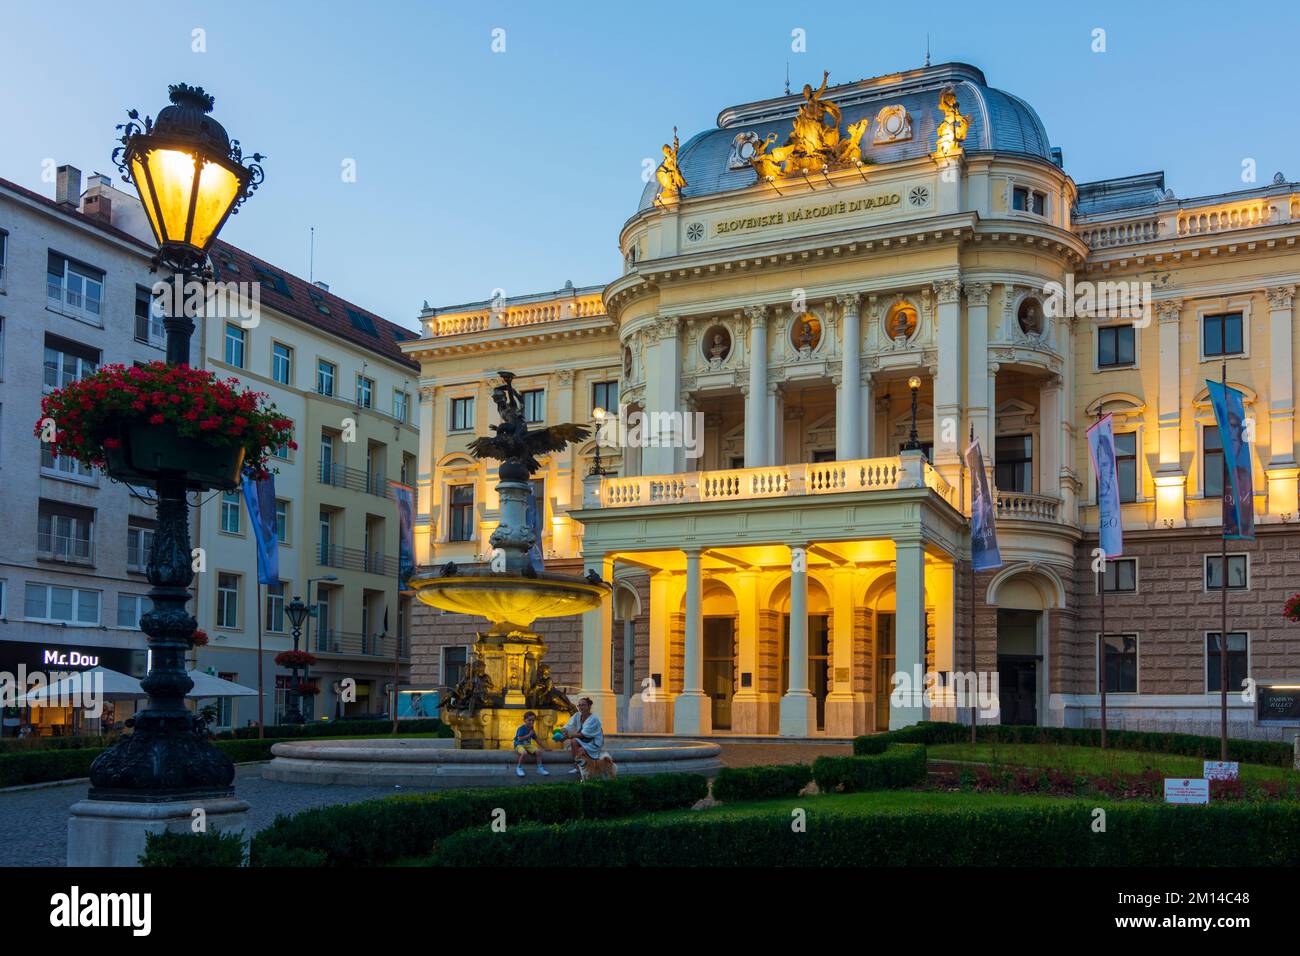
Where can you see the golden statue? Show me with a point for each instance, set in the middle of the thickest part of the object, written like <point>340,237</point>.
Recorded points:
<point>849,151</point>
<point>669,174</point>
<point>814,143</point>
<point>952,131</point>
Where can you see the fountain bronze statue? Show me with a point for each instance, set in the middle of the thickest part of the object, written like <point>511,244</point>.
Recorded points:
<point>507,675</point>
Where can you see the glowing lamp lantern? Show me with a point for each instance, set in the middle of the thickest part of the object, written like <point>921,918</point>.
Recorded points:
<point>190,175</point>
<point>913,440</point>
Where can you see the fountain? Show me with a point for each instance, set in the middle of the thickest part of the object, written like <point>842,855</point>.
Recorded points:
<point>507,675</point>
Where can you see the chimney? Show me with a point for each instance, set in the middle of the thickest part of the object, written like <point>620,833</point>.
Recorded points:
<point>323,286</point>
<point>67,186</point>
<point>99,207</point>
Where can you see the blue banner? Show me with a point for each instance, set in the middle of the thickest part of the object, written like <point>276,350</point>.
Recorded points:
<point>404,495</point>
<point>259,497</point>
<point>983,511</point>
<point>1239,489</point>
<point>1101,449</point>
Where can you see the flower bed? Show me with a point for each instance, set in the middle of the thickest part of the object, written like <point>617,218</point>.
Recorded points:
<point>1147,785</point>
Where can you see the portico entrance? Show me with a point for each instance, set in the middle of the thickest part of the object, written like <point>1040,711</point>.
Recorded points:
<point>720,668</point>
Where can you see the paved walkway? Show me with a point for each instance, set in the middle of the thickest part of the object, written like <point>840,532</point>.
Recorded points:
<point>756,755</point>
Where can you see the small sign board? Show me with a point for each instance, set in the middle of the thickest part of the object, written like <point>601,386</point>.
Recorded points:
<point>1277,704</point>
<point>1221,770</point>
<point>1180,790</point>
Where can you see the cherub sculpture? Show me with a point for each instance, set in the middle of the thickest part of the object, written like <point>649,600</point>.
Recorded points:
<point>544,693</point>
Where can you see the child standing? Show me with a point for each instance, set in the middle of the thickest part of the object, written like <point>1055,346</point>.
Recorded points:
<point>526,742</point>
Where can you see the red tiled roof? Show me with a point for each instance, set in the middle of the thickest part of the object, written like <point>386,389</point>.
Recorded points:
<point>79,216</point>
<point>302,304</point>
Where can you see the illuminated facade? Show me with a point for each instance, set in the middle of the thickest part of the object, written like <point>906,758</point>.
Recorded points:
<point>781,560</point>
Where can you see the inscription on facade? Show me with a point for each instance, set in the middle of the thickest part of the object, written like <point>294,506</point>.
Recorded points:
<point>844,207</point>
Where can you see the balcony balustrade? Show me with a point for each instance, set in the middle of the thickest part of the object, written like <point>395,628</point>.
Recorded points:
<point>1028,507</point>
<point>353,644</point>
<point>355,559</point>
<point>354,479</point>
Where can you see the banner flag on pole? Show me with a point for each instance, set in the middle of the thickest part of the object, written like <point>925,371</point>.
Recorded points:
<point>1101,449</point>
<point>983,526</point>
<point>259,497</point>
<point>404,495</point>
<point>1239,494</point>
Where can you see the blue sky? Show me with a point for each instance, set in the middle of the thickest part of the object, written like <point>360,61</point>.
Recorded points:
<point>515,170</point>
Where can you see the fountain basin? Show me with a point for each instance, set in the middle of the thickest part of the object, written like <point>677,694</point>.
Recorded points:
<point>510,602</point>
<point>436,763</point>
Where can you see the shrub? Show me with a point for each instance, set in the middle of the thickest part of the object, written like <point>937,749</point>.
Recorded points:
<point>341,728</point>
<point>245,751</point>
<point>1136,835</point>
<point>734,784</point>
<point>213,848</point>
<point>40,766</point>
<point>901,765</point>
<point>377,832</point>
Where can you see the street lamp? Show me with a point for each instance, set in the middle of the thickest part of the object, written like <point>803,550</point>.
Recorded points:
<point>599,415</point>
<point>191,177</point>
<point>914,383</point>
<point>296,612</point>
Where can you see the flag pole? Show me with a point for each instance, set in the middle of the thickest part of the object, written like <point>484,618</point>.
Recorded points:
<point>1223,587</point>
<point>1101,592</point>
<point>973,657</point>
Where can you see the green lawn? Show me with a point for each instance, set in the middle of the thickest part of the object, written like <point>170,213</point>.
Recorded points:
<point>1093,760</point>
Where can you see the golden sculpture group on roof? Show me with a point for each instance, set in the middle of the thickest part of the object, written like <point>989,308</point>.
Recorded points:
<point>669,174</point>
<point>952,131</point>
<point>815,143</point>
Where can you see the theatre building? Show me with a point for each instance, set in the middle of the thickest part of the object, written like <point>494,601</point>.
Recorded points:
<point>822,299</point>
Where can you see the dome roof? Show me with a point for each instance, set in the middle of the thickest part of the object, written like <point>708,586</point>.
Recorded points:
<point>999,122</point>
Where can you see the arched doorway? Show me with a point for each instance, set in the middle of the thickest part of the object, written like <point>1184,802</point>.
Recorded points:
<point>885,651</point>
<point>720,651</point>
<point>1023,596</point>
<point>819,642</point>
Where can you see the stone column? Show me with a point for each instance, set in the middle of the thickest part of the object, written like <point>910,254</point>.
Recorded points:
<point>663,393</point>
<point>692,711</point>
<point>842,708</point>
<point>978,391</point>
<point>1050,438</point>
<point>744,706</point>
<point>798,706</point>
<point>1170,479</point>
<point>867,400</point>
<point>655,707</point>
<point>990,424</point>
<point>598,649</point>
<point>947,380</point>
<point>941,583</point>
<point>1281,469</point>
<point>775,424</point>
<point>909,660</point>
<point>757,453</point>
<point>848,430</point>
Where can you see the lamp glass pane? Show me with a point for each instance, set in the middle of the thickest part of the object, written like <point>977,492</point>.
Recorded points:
<point>172,175</point>
<point>218,189</point>
<point>146,196</point>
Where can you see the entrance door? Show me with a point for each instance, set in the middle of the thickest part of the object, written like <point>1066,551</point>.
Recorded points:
<point>720,668</point>
<point>1018,689</point>
<point>819,661</point>
<point>885,652</point>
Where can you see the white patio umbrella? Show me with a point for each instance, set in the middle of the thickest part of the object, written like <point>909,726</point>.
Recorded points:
<point>99,681</point>
<point>208,685</point>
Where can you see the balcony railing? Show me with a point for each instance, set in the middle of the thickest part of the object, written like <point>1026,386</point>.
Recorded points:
<point>777,481</point>
<point>355,559</point>
<point>58,547</point>
<point>354,479</point>
<point>353,644</point>
<point>1027,507</point>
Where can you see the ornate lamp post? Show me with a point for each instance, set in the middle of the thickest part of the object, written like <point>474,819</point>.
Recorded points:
<point>191,177</point>
<point>913,442</point>
<point>597,468</point>
<point>296,612</point>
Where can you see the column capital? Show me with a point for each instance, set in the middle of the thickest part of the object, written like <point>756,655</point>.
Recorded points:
<point>564,377</point>
<point>756,313</point>
<point>665,327</point>
<point>1280,297</point>
<point>427,392</point>
<point>848,301</point>
<point>948,291</point>
<point>1169,310</point>
<point>977,293</point>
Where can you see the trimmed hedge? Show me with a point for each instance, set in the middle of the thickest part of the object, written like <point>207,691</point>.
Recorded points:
<point>1269,752</point>
<point>341,728</point>
<point>41,766</point>
<point>733,784</point>
<point>378,832</point>
<point>900,765</point>
<point>213,848</point>
<point>9,745</point>
<point>1136,835</point>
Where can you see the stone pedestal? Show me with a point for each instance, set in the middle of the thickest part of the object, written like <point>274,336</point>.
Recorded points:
<point>798,714</point>
<point>112,832</point>
<point>692,714</point>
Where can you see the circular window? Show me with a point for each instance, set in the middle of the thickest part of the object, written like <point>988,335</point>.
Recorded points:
<point>716,345</point>
<point>806,332</point>
<point>900,321</point>
<point>1030,316</point>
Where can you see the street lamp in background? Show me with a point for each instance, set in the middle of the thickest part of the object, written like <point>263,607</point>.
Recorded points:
<point>599,415</point>
<point>296,612</point>
<point>913,444</point>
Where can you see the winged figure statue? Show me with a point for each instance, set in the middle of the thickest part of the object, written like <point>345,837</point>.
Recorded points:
<point>513,440</point>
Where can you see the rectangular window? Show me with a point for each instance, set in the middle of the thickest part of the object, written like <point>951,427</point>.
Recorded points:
<point>139,544</point>
<point>1014,463</point>
<point>228,600</point>
<point>281,521</point>
<point>1115,346</point>
<point>1120,576</point>
<point>454,660</point>
<point>64,465</point>
<point>74,288</point>
<point>65,532</point>
<point>281,363</point>
<point>1237,661</point>
<point>408,469</point>
<point>275,608</point>
<point>325,377</point>
<point>231,515</point>
<point>365,391</point>
<point>130,608</point>
<point>1238,578</point>
<point>605,395</point>
<point>1038,204</point>
<point>1121,663</point>
<point>1221,334</point>
<point>462,414</point>
<point>4,251</point>
<point>43,602</point>
<point>1212,462</point>
<point>1126,465</point>
<point>401,404</point>
<point>461,513</point>
<point>67,361</point>
<point>1020,199</point>
<point>284,452</point>
<point>148,318</point>
<point>534,405</point>
<point>235,341</point>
